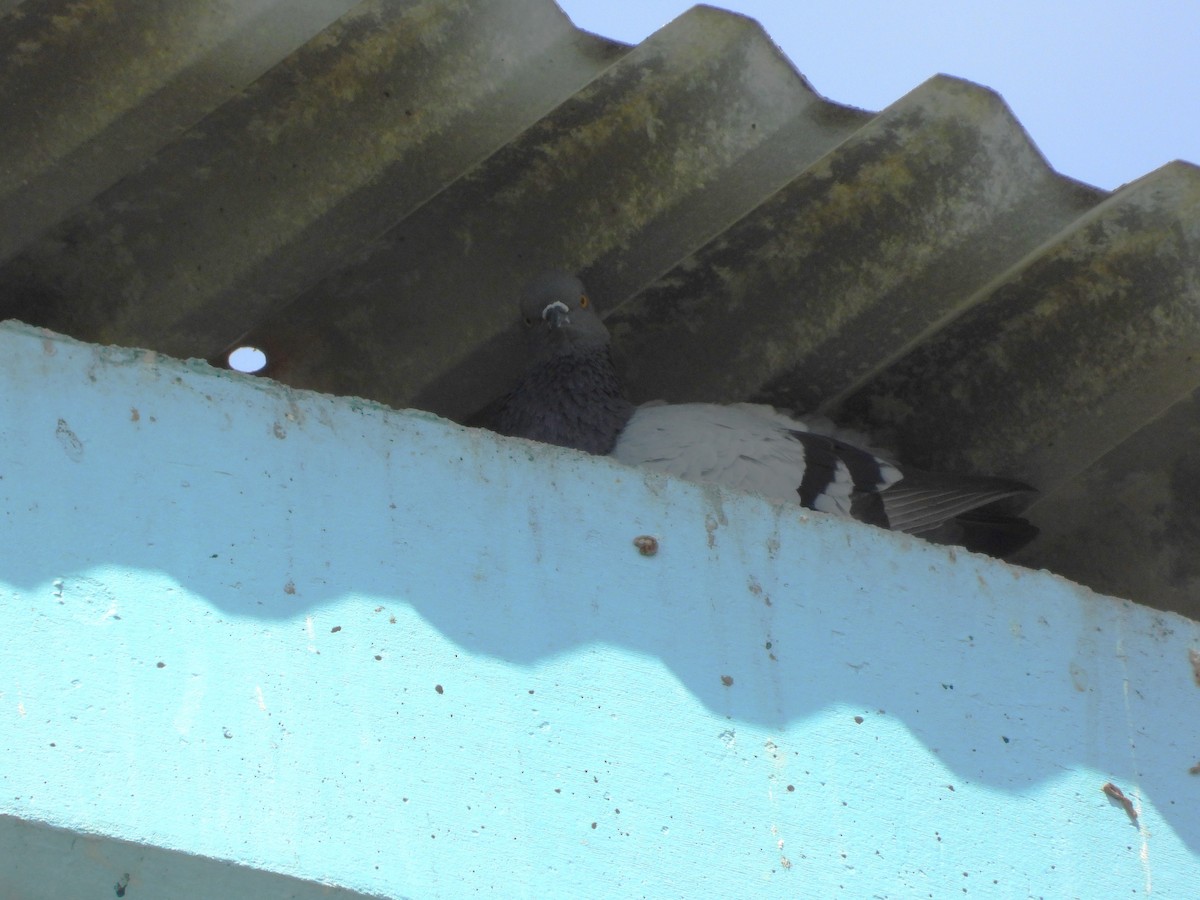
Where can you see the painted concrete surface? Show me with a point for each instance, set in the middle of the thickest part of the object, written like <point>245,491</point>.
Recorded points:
<point>301,637</point>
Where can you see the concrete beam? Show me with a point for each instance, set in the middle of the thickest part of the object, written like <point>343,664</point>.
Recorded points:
<point>351,647</point>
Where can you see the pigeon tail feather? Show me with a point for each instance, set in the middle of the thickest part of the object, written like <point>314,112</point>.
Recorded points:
<point>922,501</point>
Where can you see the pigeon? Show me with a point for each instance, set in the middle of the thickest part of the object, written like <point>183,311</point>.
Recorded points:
<point>572,396</point>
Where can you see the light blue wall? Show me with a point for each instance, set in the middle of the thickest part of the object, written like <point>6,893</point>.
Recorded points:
<point>366,648</point>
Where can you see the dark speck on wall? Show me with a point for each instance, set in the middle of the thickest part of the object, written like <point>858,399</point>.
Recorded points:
<point>439,689</point>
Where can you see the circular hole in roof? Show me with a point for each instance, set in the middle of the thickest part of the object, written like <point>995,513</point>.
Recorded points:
<point>247,359</point>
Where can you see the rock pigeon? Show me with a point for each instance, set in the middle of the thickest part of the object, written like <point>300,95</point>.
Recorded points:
<point>572,396</point>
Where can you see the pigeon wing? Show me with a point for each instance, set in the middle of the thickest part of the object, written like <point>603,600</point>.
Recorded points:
<point>755,448</point>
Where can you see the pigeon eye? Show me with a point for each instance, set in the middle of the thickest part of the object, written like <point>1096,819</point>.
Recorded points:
<point>584,301</point>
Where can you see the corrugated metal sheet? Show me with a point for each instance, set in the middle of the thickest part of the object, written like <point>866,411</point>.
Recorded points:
<point>360,188</point>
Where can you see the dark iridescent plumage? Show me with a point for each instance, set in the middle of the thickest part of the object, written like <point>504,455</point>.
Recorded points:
<point>572,400</point>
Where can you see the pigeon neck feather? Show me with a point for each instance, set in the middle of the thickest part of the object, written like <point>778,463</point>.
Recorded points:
<point>573,400</point>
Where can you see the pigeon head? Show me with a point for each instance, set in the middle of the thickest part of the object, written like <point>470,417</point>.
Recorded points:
<point>570,394</point>
<point>559,317</point>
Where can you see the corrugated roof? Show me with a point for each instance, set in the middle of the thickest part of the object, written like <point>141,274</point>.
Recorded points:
<point>360,189</point>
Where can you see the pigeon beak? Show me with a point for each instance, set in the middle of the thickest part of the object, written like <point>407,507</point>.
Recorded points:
<point>556,315</point>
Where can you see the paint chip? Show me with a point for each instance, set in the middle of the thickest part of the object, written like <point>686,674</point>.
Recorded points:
<point>646,544</point>
<point>1115,793</point>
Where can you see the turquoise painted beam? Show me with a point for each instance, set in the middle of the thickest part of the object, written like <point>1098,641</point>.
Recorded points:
<point>277,641</point>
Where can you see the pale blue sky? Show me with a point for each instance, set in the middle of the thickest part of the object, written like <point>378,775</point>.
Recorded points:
<point>1108,89</point>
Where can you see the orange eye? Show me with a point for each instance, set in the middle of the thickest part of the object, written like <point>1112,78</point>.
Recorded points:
<point>584,301</point>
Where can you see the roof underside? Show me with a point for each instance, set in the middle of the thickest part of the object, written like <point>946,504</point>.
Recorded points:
<point>360,188</point>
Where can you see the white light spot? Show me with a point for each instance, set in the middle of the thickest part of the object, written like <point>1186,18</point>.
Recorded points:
<point>247,359</point>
